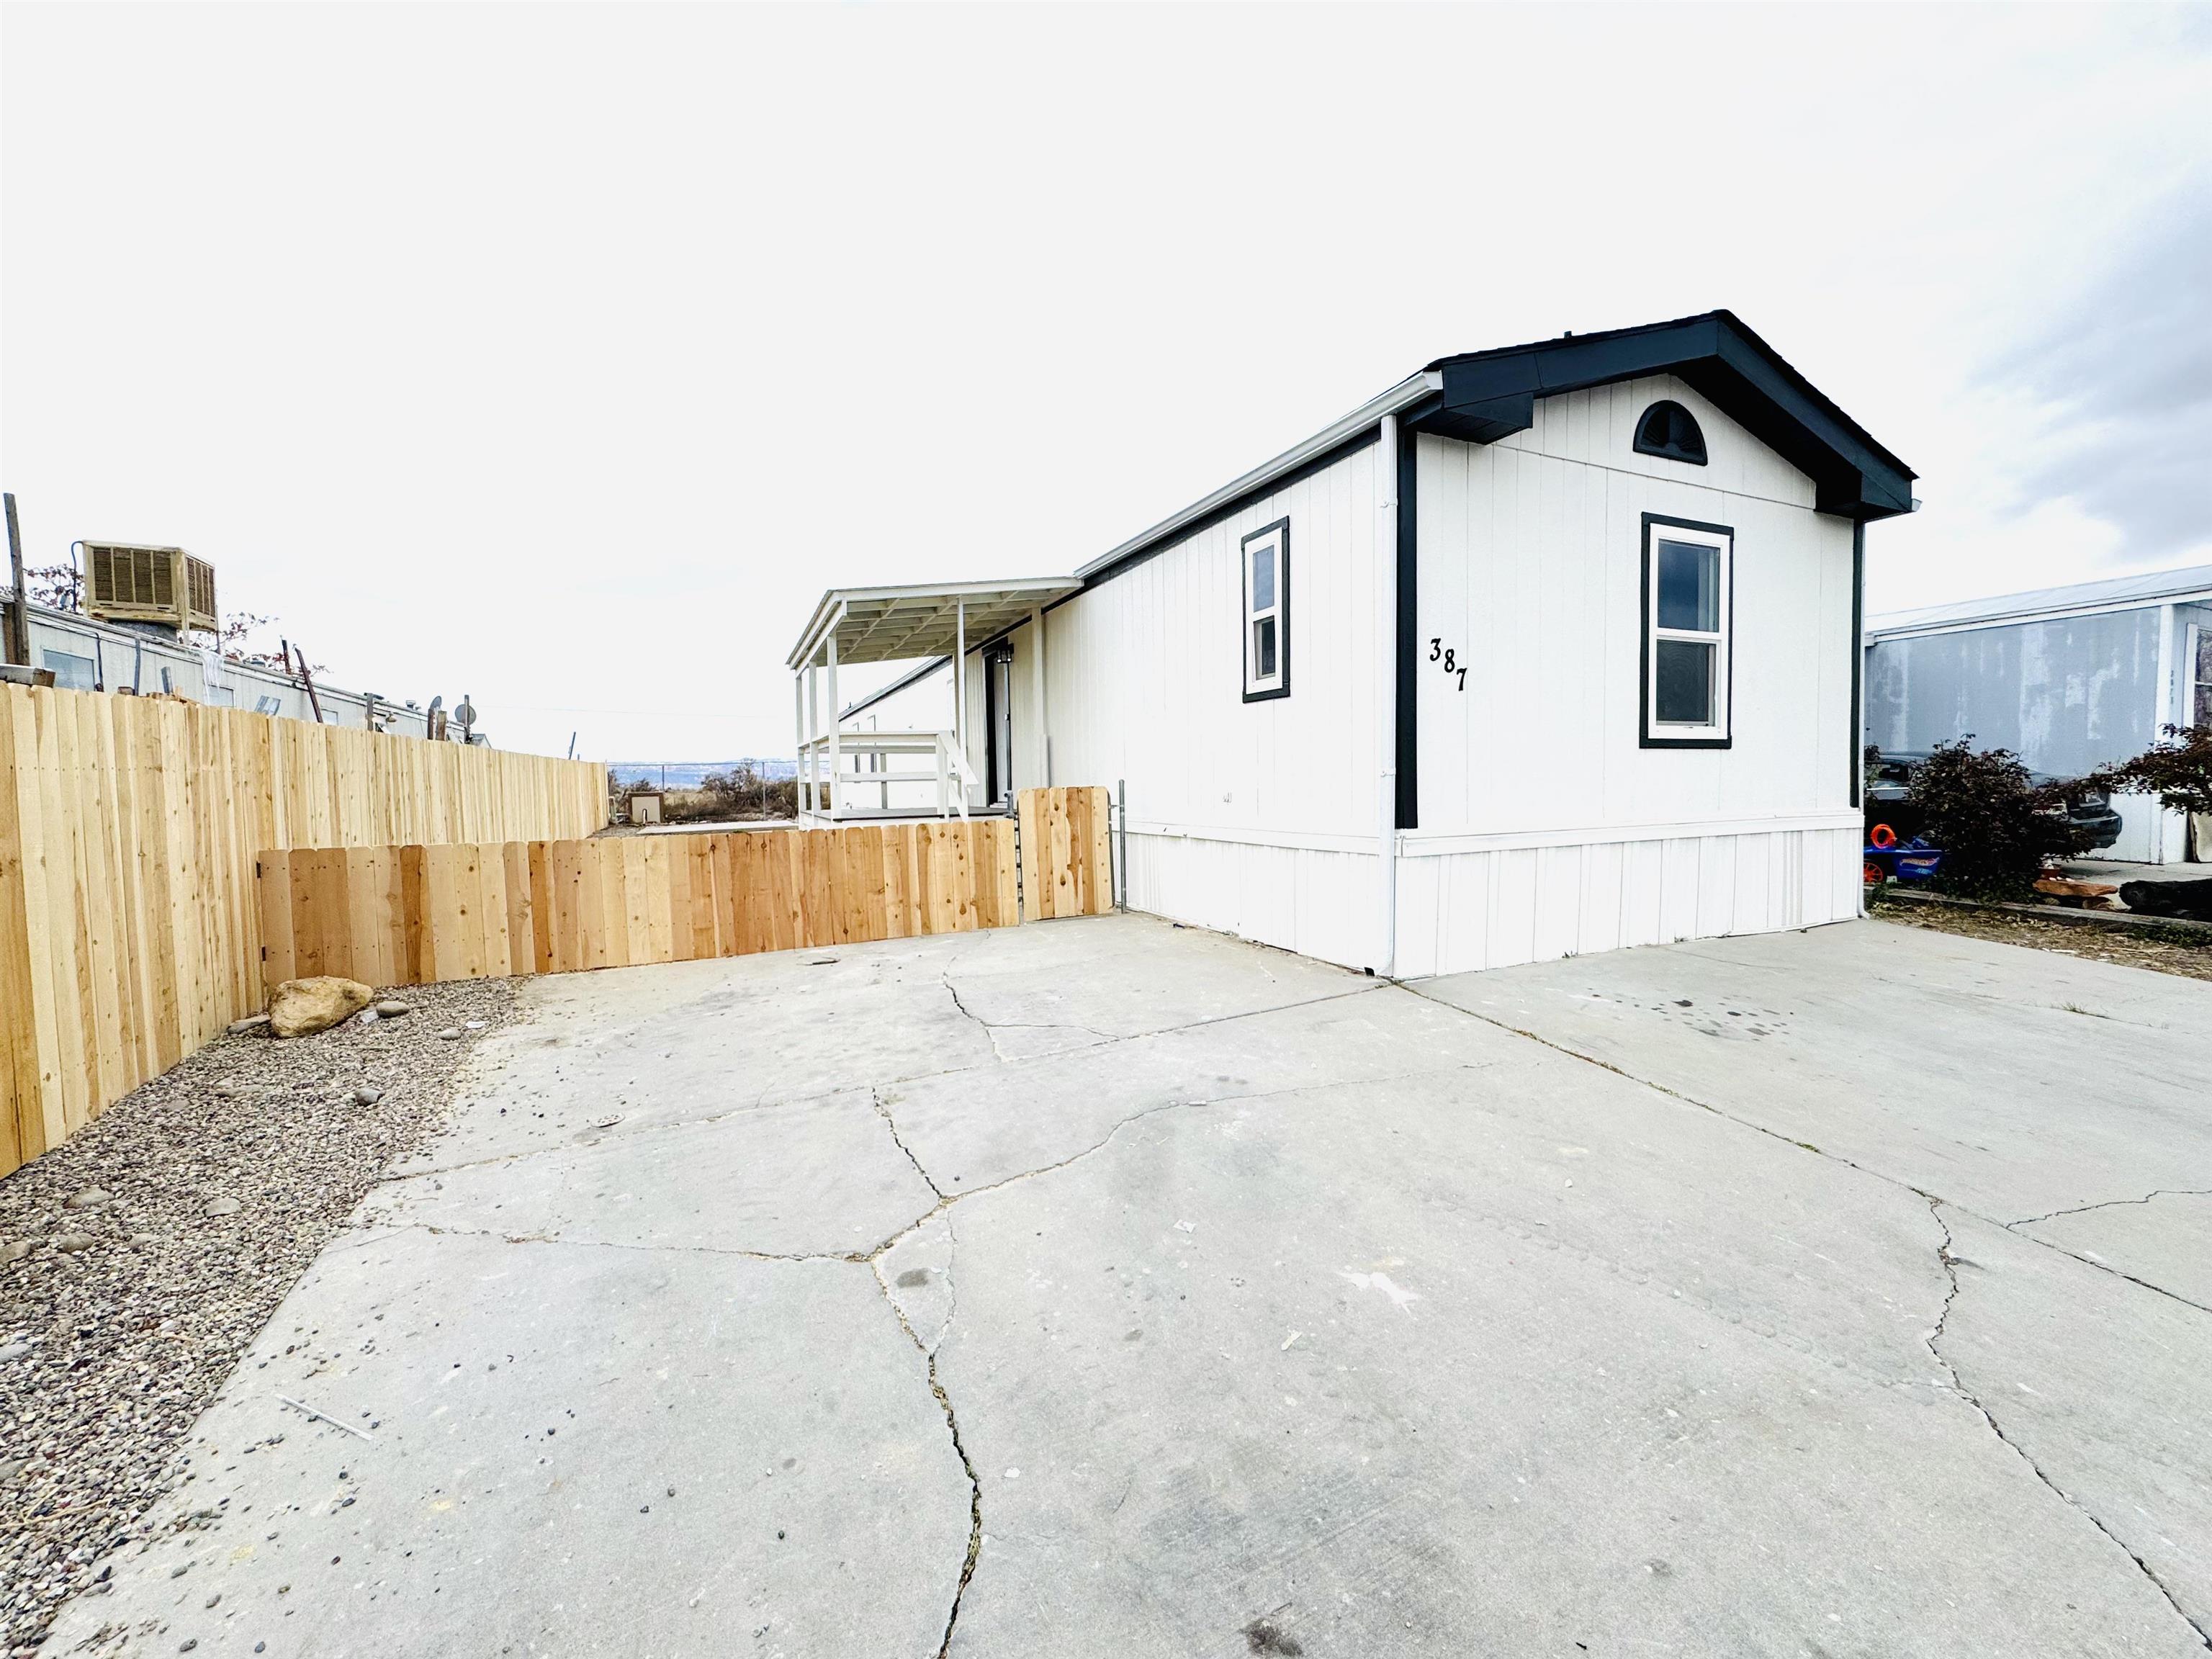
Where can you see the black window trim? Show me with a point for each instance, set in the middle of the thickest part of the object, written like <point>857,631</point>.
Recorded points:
<point>1664,452</point>
<point>1643,723</point>
<point>1280,529</point>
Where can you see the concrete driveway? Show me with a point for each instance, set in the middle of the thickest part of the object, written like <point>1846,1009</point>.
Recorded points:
<point>1108,1288</point>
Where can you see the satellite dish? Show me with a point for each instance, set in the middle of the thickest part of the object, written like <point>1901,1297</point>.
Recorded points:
<point>466,713</point>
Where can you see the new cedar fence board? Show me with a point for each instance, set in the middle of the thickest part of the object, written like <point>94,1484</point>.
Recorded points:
<point>1066,863</point>
<point>494,909</point>
<point>131,931</point>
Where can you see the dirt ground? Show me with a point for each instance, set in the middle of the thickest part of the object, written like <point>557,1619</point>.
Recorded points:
<point>2092,944</point>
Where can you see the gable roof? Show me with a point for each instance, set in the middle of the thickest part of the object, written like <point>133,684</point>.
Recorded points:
<point>1479,397</point>
<point>1488,395</point>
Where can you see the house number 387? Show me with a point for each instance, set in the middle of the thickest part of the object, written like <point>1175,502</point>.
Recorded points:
<point>1448,659</point>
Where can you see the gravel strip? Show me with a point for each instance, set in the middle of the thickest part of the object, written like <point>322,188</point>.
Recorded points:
<point>2162,956</point>
<point>140,1259</point>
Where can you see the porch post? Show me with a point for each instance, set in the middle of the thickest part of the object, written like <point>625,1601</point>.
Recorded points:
<point>960,689</point>
<point>837,802</point>
<point>813,735</point>
<point>798,719</point>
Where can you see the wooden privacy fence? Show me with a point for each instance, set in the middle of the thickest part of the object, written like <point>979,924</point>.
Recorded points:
<point>1068,863</point>
<point>408,915</point>
<point>129,832</point>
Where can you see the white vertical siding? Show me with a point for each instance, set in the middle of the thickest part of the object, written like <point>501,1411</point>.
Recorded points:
<point>1545,829</point>
<point>1497,907</point>
<point>1318,902</point>
<point>1530,572</point>
<point>1145,674</point>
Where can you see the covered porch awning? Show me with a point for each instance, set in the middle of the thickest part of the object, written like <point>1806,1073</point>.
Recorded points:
<point>855,625</point>
<point>931,619</point>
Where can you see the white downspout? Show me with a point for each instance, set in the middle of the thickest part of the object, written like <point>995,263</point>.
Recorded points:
<point>1386,696</point>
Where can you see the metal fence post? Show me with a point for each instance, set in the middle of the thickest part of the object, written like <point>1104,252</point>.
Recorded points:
<point>1122,843</point>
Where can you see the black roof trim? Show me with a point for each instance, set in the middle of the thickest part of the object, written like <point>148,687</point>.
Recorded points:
<point>1224,511</point>
<point>1489,395</point>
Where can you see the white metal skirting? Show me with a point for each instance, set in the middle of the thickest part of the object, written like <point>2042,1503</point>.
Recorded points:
<point>1492,907</point>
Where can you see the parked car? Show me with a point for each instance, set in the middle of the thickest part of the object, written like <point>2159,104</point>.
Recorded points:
<point>1889,800</point>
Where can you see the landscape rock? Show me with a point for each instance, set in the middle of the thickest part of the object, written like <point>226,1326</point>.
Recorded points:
<point>15,1351</point>
<point>450,1034</point>
<point>270,1126</point>
<point>302,1007</point>
<point>366,1095</point>
<point>368,1017</point>
<point>251,1023</point>
<point>74,1243</point>
<point>90,1199</point>
<point>393,1007</point>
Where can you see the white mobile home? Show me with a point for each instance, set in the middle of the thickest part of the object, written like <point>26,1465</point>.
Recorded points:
<point>2068,678</point>
<point>1546,650</point>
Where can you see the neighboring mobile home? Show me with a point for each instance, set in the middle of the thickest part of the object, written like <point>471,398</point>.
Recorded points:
<point>2068,678</point>
<point>1546,650</point>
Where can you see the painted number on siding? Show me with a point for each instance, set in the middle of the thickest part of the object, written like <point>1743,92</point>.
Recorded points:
<point>1447,658</point>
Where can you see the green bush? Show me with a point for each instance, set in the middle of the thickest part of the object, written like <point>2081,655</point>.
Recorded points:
<point>2178,771</point>
<point>1997,829</point>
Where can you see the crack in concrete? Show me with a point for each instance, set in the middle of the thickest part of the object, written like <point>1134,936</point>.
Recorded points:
<point>1803,1146</point>
<point>1943,1253</point>
<point>992,1027</point>
<point>876,1098</point>
<point>768,1098</point>
<point>1957,1386</point>
<point>959,1447</point>
<point>860,1258</point>
<point>2109,1203</point>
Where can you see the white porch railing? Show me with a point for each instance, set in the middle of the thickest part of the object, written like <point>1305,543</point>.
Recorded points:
<point>851,774</point>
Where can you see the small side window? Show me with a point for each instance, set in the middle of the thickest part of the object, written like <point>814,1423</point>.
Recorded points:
<point>1266,556</point>
<point>1689,603</point>
<point>1670,432</point>
<point>71,673</point>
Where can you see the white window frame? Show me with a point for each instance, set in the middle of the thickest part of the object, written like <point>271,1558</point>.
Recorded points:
<point>1715,732</point>
<point>1259,687</point>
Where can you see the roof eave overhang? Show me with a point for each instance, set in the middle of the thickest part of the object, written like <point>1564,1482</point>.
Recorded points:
<point>1491,395</point>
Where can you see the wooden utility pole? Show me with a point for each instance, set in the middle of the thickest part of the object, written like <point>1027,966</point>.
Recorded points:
<point>17,642</point>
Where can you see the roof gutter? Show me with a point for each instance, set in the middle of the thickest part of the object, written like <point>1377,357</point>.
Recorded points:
<point>1399,397</point>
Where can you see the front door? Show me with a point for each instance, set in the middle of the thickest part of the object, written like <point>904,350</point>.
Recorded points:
<point>998,723</point>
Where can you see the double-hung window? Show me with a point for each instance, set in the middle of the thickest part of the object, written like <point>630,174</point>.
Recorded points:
<point>1267,558</point>
<point>1689,593</point>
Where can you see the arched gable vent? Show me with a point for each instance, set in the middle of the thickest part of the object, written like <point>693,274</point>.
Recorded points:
<point>1670,431</point>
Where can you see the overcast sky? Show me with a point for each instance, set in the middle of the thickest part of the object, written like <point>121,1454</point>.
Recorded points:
<point>563,358</point>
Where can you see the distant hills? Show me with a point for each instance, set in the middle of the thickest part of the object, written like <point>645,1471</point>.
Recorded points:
<point>688,775</point>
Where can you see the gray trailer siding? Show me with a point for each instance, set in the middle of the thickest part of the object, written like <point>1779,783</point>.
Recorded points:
<point>2066,695</point>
